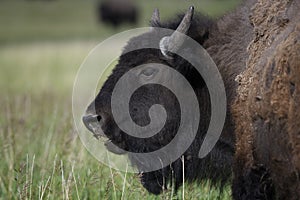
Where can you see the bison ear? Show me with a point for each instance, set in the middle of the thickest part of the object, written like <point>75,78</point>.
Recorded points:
<point>174,42</point>
<point>155,19</point>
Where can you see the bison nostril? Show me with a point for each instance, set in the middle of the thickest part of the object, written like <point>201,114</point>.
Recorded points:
<point>91,122</point>
<point>98,118</point>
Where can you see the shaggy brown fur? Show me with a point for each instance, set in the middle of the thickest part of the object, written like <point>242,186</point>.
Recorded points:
<point>267,109</point>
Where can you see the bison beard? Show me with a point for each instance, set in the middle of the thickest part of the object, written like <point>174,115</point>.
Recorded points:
<point>259,60</point>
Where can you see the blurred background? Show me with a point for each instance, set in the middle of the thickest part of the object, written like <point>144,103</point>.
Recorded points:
<point>42,45</point>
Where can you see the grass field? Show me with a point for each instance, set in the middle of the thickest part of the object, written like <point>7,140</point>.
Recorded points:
<point>42,44</point>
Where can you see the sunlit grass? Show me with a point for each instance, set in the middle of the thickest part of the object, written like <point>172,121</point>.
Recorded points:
<point>41,67</point>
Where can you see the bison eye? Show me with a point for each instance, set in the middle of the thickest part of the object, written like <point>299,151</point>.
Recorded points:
<point>148,72</point>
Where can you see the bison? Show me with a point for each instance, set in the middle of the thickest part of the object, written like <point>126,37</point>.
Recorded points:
<point>257,51</point>
<point>116,12</point>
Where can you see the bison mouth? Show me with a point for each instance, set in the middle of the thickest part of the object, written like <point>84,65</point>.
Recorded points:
<point>93,124</point>
<point>110,146</point>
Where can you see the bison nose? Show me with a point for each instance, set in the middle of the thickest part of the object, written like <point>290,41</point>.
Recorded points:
<point>91,122</point>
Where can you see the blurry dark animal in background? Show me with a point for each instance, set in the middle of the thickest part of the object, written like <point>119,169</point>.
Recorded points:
<point>116,12</point>
<point>257,51</point>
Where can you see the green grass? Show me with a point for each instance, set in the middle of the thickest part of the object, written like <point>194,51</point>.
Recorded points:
<point>42,45</point>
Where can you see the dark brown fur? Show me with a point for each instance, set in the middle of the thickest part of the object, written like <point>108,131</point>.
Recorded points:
<point>267,109</point>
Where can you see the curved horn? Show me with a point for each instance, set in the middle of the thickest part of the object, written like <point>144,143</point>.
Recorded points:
<point>155,19</point>
<point>173,43</point>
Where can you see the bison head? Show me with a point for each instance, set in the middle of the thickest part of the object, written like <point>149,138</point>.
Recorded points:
<point>100,121</point>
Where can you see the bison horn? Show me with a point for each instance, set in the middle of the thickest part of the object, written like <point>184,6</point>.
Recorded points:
<point>155,19</point>
<point>173,43</point>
